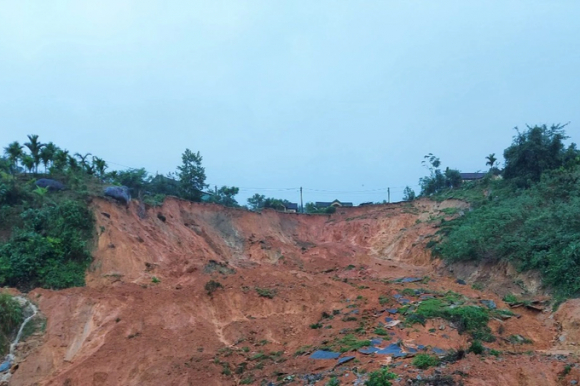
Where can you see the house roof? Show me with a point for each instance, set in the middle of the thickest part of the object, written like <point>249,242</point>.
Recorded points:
<point>472,176</point>
<point>291,205</point>
<point>323,204</point>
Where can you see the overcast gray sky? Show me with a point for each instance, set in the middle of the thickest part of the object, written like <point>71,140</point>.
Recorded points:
<point>343,98</point>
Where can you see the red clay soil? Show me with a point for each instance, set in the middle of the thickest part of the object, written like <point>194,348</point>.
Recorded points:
<point>288,284</point>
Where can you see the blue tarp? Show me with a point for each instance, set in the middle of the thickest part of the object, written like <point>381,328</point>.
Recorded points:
<point>5,366</point>
<point>368,350</point>
<point>345,359</point>
<point>322,354</point>
<point>394,350</point>
<point>410,279</point>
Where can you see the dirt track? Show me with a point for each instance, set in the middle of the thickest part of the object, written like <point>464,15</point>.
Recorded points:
<point>124,329</point>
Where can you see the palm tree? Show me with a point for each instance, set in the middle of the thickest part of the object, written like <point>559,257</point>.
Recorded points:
<point>28,162</point>
<point>34,146</point>
<point>47,154</point>
<point>73,164</point>
<point>84,163</point>
<point>14,153</point>
<point>99,165</point>
<point>491,160</point>
<point>60,160</point>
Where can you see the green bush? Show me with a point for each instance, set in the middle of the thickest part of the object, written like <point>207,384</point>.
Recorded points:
<point>531,218</point>
<point>266,292</point>
<point>469,319</point>
<point>536,228</point>
<point>51,250</point>
<point>424,361</point>
<point>381,377</point>
<point>10,319</point>
<point>212,286</point>
<point>333,382</point>
<point>476,347</point>
<point>351,343</point>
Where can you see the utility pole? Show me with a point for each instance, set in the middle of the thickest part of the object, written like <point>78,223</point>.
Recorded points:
<point>389,195</point>
<point>301,202</point>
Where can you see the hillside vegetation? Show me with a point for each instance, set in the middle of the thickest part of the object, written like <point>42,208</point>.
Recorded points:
<point>527,214</point>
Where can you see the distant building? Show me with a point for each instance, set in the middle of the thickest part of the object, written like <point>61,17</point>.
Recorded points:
<point>335,203</point>
<point>290,207</point>
<point>472,176</point>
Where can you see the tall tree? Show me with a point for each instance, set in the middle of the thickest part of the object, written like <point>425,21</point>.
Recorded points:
<point>409,194</point>
<point>225,196</point>
<point>47,154</point>
<point>256,201</point>
<point>191,176</point>
<point>490,160</point>
<point>99,166</point>
<point>535,151</point>
<point>134,179</point>
<point>28,162</point>
<point>73,164</point>
<point>14,153</point>
<point>60,161</point>
<point>34,146</point>
<point>84,163</point>
<point>438,180</point>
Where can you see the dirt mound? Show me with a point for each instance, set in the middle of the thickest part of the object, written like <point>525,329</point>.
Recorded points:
<point>190,294</point>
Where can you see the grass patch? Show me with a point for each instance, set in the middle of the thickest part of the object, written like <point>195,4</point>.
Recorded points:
<point>381,377</point>
<point>381,331</point>
<point>424,361</point>
<point>266,292</point>
<point>303,350</point>
<point>351,343</point>
<point>467,318</point>
<point>476,347</point>
<point>212,286</point>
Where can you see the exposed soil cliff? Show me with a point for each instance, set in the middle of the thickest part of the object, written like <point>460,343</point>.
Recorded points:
<point>288,283</point>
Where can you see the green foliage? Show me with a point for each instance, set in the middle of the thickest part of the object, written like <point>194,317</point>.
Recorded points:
<point>225,196</point>
<point>409,194</point>
<point>381,377</point>
<point>424,361</point>
<point>470,319</point>
<point>51,250</point>
<point>438,180</point>
<point>510,298</point>
<point>155,280</point>
<point>315,326</point>
<point>256,202</point>
<point>476,347</point>
<point>495,353</point>
<point>333,382</point>
<point>212,286</point>
<point>10,319</point>
<point>247,381</point>
<point>134,179</point>
<point>154,200</point>
<point>351,343</point>
<point>311,208</point>
<point>491,159</point>
<point>535,151</point>
<point>537,228</point>
<point>381,331</point>
<point>191,176</point>
<point>266,292</point>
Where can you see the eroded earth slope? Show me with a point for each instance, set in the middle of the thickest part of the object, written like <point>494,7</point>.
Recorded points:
<point>281,287</point>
